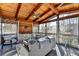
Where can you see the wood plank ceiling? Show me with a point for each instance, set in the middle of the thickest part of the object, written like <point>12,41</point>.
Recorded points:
<point>31,13</point>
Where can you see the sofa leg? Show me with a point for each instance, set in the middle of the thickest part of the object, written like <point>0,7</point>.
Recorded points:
<point>2,46</point>
<point>11,43</point>
<point>2,49</point>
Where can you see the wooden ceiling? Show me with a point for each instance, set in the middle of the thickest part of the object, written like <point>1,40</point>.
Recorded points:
<point>29,13</point>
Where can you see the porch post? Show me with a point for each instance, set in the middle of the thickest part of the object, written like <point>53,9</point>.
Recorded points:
<point>57,29</point>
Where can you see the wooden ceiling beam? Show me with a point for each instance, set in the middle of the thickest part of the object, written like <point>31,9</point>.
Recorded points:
<point>58,4</point>
<point>52,7</point>
<point>18,9</point>
<point>41,15</point>
<point>36,8</point>
<point>64,9</point>
<point>44,19</point>
<point>0,12</point>
<point>65,17</point>
<point>62,13</point>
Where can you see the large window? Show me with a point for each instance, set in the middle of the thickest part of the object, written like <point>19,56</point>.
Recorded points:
<point>39,29</point>
<point>9,28</point>
<point>51,27</point>
<point>42,28</point>
<point>69,31</point>
<point>35,29</point>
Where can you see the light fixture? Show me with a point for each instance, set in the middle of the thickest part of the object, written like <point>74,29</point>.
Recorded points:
<point>35,15</point>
